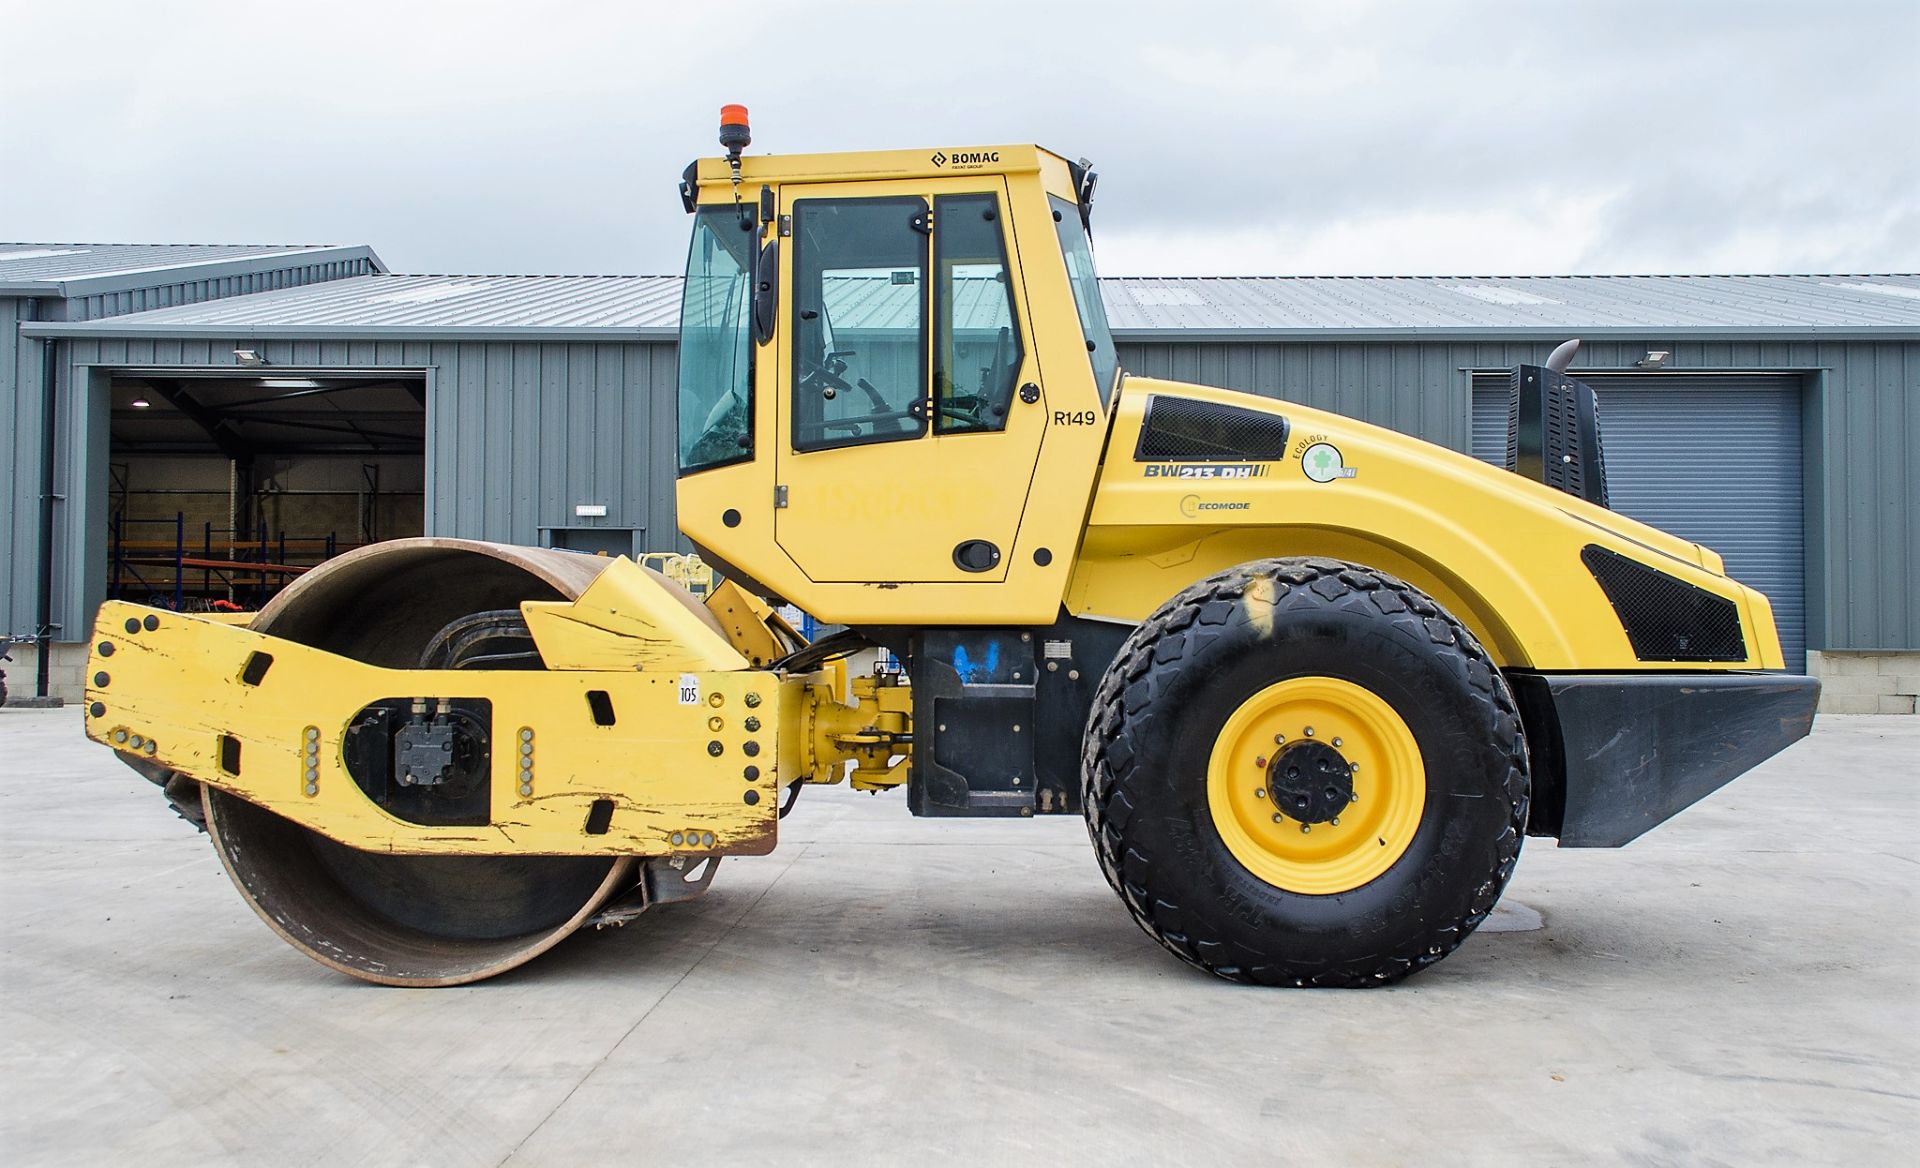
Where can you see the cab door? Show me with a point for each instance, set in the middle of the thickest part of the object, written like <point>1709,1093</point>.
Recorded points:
<point>906,448</point>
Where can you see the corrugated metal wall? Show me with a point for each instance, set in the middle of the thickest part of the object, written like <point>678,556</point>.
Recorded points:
<point>517,433</point>
<point>1861,429</point>
<point>216,288</point>
<point>20,362</point>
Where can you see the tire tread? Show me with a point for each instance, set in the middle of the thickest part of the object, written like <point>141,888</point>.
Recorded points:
<point>1132,686</point>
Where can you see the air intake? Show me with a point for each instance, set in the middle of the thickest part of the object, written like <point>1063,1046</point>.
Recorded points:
<point>1180,429</point>
<point>1666,619</point>
<point>1553,432</point>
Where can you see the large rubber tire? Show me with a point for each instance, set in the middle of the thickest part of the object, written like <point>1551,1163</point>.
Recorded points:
<point>1207,653</point>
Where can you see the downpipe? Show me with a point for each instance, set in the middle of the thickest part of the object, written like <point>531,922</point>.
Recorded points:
<point>50,400</point>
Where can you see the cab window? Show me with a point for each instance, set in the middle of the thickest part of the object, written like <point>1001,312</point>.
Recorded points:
<point>716,350</point>
<point>860,310</point>
<point>1078,250</point>
<point>976,350</point>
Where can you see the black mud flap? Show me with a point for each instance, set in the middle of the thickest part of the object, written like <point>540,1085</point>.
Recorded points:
<point>1615,755</point>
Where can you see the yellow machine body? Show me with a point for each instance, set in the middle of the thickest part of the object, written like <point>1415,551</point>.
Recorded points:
<point>1501,552</point>
<point>1088,529</point>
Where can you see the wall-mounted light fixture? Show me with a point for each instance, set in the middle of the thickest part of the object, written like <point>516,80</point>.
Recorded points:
<point>1655,359</point>
<point>590,510</point>
<point>140,403</point>
<point>250,357</point>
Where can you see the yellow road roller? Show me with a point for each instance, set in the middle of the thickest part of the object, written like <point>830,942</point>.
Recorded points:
<point>1310,682</point>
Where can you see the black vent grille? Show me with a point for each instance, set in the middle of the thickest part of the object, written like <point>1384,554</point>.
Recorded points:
<point>1180,428</point>
<point>1553,433</point>
<point>1666,619</point>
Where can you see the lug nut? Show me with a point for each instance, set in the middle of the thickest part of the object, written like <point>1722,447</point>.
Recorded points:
<point>1336,821</point>
<point>1260,762</point>
<point>1279,738</point>
<point>1308,732</point>
<point>1259,792</point>
<point>1336,742</point>
<point>1305,828</point>
<point>1279,819</point>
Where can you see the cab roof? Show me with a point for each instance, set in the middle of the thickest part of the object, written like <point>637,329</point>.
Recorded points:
<point>932,162</point>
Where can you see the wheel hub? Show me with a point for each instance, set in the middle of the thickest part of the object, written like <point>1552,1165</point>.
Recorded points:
<point>1310,782</point>
<point>1316,785</point>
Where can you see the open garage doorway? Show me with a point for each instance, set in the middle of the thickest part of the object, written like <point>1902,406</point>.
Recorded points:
<point>225,486</point>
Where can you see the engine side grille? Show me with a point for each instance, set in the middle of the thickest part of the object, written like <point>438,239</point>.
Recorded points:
<point>1666,619</point>
<point>1181,429</point>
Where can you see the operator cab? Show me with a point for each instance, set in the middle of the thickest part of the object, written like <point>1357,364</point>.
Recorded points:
<point>895,370</point>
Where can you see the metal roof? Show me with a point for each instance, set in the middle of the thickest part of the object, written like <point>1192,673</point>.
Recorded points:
<point>69,269</point>
<point>556,307</point>
<point>1883,307</point>
<point>1245,307</point>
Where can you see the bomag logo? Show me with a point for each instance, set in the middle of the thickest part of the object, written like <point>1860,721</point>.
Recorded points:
<point>962,159</point>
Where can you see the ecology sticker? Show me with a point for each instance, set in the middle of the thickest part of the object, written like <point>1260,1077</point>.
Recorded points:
<point>1321,462</point>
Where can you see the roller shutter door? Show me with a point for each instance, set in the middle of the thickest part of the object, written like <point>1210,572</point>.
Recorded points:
<point>1715,460</point>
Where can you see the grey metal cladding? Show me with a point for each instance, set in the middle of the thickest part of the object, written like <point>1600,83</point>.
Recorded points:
<point>19,469</point>
<point>519,431</point>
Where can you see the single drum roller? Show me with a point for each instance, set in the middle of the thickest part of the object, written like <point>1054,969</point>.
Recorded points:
<point>399,919</point>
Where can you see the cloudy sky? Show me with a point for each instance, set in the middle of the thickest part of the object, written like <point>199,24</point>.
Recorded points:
<point>1278,138</point>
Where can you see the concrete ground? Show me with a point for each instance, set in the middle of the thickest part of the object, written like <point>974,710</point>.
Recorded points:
<point>1738,988</point>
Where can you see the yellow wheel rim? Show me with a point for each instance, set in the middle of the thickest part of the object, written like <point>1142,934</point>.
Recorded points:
<point>1372,831</point>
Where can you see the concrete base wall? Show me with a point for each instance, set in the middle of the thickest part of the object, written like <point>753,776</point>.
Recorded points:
<point>1866,683</point>
<point>66,676</point>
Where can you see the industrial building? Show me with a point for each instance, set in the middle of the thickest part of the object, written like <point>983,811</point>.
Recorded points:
<point>195,424</point>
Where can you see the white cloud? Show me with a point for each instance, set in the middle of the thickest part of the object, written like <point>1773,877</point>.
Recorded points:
<point>1325,136</point>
